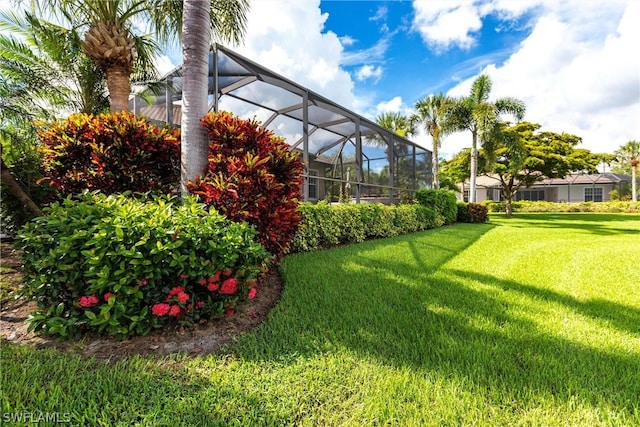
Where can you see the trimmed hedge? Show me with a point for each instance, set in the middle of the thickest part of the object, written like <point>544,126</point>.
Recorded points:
<point>527,206</point>
<point>444,202</point>
<point>325,225</point>
<point>119,266</point>
<point>472,212</point>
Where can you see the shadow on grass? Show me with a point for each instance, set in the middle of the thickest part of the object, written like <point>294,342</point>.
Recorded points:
<point>594,223</point>
<point>398,311</point>
<point>622,317</point>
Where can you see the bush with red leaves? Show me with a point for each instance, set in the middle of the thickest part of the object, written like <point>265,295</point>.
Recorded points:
<point>252,176</point>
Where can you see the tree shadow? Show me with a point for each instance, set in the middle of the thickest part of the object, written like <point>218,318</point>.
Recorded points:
<point>593,223</point>
<point>620,316</point>
<point>400,312</point>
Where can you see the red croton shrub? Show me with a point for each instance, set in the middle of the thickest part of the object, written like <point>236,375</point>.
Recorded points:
<point>252,176</point>
<point>112,153</point>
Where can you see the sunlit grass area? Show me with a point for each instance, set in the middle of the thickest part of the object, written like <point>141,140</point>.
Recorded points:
<point>533,320</point>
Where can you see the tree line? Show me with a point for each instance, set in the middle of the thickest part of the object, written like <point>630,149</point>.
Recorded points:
<point>518,154</point>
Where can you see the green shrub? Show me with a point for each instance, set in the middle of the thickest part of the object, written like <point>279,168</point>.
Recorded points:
<point>463,212</point>
<point>112,153</point>
<point>542,206</point>
<point>444,202</point>
<point>252,176</point>
<point>325,225</point>
<point>121,267</point>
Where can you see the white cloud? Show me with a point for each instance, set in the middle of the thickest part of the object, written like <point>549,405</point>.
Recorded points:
<point>381,14</point>
<point>575,75</point>
<point>369,72</point>
<point>444,23</point>
<point>288,37</point>
<point>391,106</point>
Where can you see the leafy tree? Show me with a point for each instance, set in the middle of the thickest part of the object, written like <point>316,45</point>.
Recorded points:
<point>475,113</point>
<point>629,155</point>
<point>524,156</point>
<point>431,113</point>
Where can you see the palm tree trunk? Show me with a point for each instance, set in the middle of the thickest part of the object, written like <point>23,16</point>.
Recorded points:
<point>16,189</point>
<point>474,168</point>
<point>436,180</point>
<point>196,42</point>
<point>119,85</point>
<point>634,181</point>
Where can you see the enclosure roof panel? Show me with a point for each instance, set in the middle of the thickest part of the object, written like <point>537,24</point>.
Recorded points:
<point>255,91</point>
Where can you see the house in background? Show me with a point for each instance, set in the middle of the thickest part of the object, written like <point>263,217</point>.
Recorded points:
<point>573,188</point>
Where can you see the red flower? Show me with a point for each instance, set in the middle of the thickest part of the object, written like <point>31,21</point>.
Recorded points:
<point>202,282</point>
<point>176,291</point>
<point>183,297</point>
<point>184,276</point>
<point>89,301</point>
<point>229,312</point>
<point>174,311</point>
<point>252,293</point>
<point>213,287</point>
<point>228,272</point>
<point>216,276</point>
<point>229,286</point>
<point>142,282</point>
<point>160,309</point>
<point>107,296</point>
<point>200,304</point>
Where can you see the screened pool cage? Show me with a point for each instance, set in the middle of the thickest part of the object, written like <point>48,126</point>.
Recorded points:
<point>346,156</point>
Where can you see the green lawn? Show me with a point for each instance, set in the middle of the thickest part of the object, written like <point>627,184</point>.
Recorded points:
<point>533,320</point>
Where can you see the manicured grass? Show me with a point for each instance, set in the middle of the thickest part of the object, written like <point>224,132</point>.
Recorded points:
<point>533,320</point>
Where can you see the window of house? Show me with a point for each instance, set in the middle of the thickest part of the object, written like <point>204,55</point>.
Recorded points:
<point>313,184</point>
<point>593,194</point>
<point>465,196</point>
<point>533,195</point>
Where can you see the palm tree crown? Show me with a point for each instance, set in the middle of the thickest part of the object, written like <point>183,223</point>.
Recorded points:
<point>630,153</point>
<point>431,112</point>
<point>475,113</point>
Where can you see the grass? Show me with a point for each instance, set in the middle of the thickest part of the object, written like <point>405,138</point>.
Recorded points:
<point>533,320</point>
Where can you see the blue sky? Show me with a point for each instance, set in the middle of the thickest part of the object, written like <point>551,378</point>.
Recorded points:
<point>573,62</point>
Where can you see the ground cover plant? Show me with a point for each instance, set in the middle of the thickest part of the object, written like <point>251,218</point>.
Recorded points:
<point>528,321</point>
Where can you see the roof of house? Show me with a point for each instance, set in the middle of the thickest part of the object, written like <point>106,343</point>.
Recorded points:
<point>573,179</point>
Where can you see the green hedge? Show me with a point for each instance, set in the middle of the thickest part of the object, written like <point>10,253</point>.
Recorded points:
<point>527,206</point>
<point>444,202</point>
<point>325,225</point>
<point>120,266</point>
<point>472,212</point>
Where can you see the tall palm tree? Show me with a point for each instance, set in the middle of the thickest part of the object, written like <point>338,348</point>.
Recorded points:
<point>431,112</point>
<point>201,22</point>
<point>475,113</point>
<point>630,153</point>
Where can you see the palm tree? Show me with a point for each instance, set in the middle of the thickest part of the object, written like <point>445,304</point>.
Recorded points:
<point>111,41</point>
<point>224,20</point>
<point>45,60</point>
<point>478,115</point>
<point>397,123</point>
<point>431,111</point>
<point>630,153</point>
